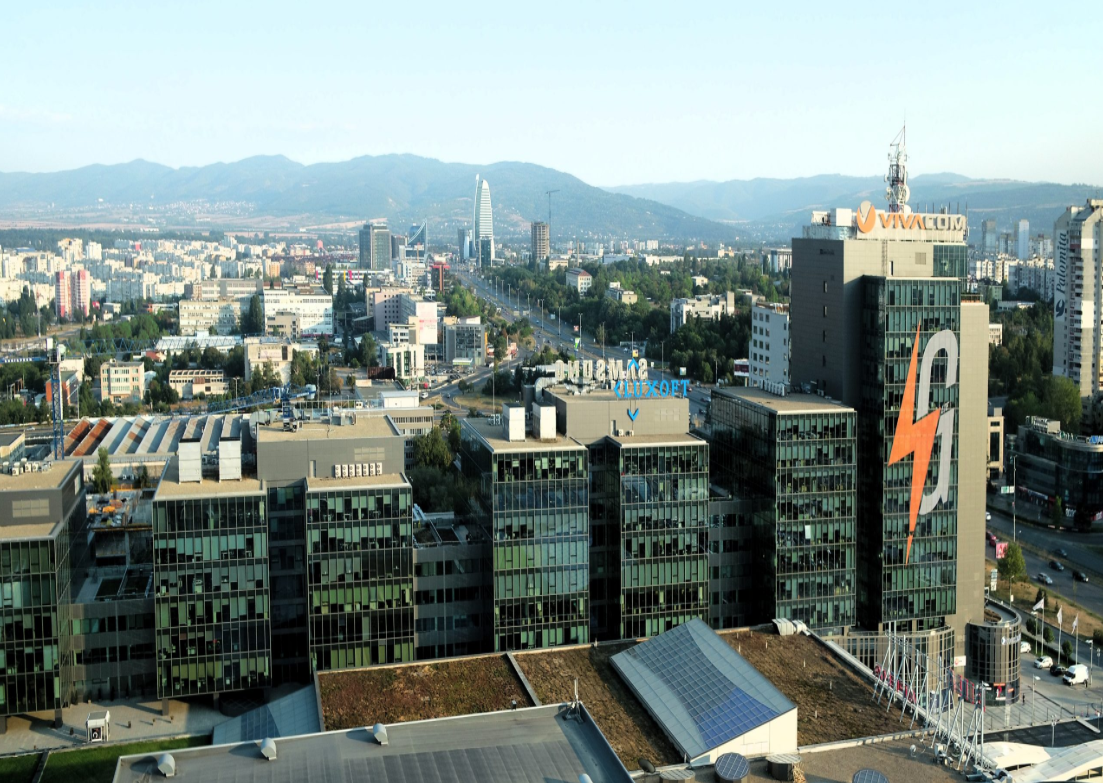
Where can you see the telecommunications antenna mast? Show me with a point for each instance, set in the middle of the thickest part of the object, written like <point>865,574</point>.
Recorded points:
<point>897,191</point>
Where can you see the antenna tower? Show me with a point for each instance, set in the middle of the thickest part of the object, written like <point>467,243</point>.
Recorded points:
<point>897,191</point>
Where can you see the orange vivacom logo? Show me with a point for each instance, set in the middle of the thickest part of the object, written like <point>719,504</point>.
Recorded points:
<point>915,435</point>
<point>866,221</point>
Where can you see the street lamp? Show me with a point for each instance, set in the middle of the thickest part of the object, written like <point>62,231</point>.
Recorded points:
<point>1033,698</point>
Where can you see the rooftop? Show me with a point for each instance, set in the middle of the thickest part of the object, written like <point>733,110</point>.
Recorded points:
<point>493,435</point>
<point>51,476</point>
<point>385,480</point>
<point>358,424</point>
<point>523,746</point>
<point>699,689</point>
<point>172,487</point>
<point>656,440</point>
<point>790,403</point>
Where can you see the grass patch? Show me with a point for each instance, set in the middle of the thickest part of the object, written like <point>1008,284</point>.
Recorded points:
<point>833,703</point>
<point>97,764</point>
<point>18,769</point>
<point>617,712</point>
<point>404,693</point>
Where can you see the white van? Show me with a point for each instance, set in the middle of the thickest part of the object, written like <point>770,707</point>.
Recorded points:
<point>1076,674</point>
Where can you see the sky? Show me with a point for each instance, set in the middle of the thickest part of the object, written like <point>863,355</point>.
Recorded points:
<point>614,93</point>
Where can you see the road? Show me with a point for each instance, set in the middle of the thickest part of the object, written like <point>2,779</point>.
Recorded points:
<point>549,332</point>
<point>1089,595</point>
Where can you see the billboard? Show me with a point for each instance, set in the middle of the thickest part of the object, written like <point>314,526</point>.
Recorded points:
<point>1001,550</point>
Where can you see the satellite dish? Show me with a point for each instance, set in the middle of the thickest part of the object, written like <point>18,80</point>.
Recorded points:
<point>646,766</point>
<point>268,748</point>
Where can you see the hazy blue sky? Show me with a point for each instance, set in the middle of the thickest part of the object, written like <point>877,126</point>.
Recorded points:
<point>615,93</point>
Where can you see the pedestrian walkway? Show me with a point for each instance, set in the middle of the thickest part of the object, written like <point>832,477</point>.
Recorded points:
<point>131,719</point>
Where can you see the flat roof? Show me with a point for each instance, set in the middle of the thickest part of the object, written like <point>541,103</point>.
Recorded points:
<point>172,487</point>
<point>492,434</point>
<point>684,439</point>
<point>51,478</point>
<point>367,425</point>
<point>791,403</point>
<point>698,689</point>
<point>8,438</point>
<point>531,745</point>
<point>386,480</point>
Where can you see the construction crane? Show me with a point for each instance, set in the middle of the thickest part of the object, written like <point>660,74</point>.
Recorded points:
<point>548,193</point>
<point>262,397</point>
<point>53,355</point>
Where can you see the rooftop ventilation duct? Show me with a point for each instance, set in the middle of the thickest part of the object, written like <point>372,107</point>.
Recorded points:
<point>268,748</point>
<point>166,765</point>
<point>379,731</point>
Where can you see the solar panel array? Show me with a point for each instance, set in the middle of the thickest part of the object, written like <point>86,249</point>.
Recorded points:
<point>731,768</point>
<point>702,692</point>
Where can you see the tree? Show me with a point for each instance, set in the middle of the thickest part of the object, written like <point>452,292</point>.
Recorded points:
<point>1012,566</point>
<point>327,279</point>
<point>1061,398</point>
<point>252,321</point>
<point>350,381</point>
<point>1031,625</point>
<point>1047,635</point>
<point>1097,638</point>
<point>432,450</point>
<point>1040,596</point>
<point>1066,650</point>
<point>464,386</point>
<point>369,351</point>
<point>142,478</point>
<point>102,478</point>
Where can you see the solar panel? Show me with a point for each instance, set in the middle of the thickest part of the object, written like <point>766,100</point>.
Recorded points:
<point>869,776</point>
<point>701,691</point>
<point>731,768</point>
<point>677,774</point>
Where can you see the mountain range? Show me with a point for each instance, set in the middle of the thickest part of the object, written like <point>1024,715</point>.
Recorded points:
<point>404,189</point>
<point>788,201</point>
<point>407,189</point>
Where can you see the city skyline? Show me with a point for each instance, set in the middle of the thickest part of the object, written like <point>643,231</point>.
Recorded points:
<point>604,115</point>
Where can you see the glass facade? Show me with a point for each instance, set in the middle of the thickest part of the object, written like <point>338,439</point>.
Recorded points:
<point>917,591</point>
<point>799,470</point>
<point>212,615</point>
<point>537,504</point>
<point>360,576</point>
<point>1060,465</point>
<point>662,507</point>
<point>287,570</point>
<point>35,649</point>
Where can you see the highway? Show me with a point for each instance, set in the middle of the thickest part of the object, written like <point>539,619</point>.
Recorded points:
<point>548,332</point>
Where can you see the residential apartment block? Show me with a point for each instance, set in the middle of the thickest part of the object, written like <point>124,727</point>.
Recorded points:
<point>707,306</point>
<point>122,381</point>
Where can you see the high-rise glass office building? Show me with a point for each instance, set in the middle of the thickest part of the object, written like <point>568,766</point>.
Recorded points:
<point>360,574</point>
<point>794,459</point>
<point>881,322</point>
<point>210,571</point>
<point>533,497</point>
<point>484,221</point>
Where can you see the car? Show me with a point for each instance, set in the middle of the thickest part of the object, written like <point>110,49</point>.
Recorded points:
<point>987,516</point>
<point>1044,579</point>
<point>1057,670</point>
<point>991,539</point>
<point>1043,663</point>
<point>1056,565</point>
<point>1024,647</point>
<point>1079,576</point>
<point>1060,553</point>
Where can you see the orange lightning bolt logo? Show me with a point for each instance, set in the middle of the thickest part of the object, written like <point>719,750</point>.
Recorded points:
<point>915,438</point>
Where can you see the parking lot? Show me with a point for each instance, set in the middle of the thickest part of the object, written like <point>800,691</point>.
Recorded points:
<point>1044,698</point>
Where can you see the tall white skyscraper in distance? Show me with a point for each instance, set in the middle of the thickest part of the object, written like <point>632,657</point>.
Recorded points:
<point>1022,240</point>
<point>484,219</point>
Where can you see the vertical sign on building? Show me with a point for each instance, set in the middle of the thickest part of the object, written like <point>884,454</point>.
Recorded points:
<point>1060,301</point>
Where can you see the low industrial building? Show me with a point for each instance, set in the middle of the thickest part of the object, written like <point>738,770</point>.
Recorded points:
<point>532,745</point>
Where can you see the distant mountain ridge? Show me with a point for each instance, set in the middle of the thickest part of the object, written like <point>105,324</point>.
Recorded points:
<point>404,189</point>
<point>783,200</point>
